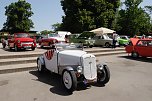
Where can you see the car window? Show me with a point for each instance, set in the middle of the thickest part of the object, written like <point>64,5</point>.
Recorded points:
<point>97,37</point>
<point>149,43</point>
<point>105,37</point>
<point>143,43</point>
<point>123,37</point>
<point>54,35</point>
<point>21,35</point>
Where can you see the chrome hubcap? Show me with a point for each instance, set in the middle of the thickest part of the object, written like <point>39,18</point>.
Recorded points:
<point>67,80</point>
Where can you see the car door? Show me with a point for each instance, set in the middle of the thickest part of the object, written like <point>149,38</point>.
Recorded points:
<point>129,48</point>
<point>97,40</point>
<point>144,48</point>
<point>105,39</point>
<point>50,58</point>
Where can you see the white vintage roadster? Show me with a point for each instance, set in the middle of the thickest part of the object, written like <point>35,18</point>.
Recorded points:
<point>74,65</point>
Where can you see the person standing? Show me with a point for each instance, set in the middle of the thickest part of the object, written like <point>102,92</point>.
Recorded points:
<point>114,40</point>
<point>66,38</point>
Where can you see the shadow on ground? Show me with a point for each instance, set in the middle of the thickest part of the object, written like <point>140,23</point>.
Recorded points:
<point>55,81</point>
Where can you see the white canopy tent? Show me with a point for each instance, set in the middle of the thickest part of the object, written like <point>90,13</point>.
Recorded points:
<point>102,30</point>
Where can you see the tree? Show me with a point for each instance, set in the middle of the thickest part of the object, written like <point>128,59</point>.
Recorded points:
<point>18,15</point>
<point>133,20</point>
<point>46,32</point>
<point>56,27</point>
<point>84,15</point>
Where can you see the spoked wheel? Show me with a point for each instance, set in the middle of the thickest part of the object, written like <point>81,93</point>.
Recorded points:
<point>134,54</point>
<point>103,76</point>
<point>69,80</point>
<point>40,67</point>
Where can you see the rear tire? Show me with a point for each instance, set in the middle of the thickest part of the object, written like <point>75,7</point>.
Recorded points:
<point>134,54</point>
<point>40,67</point>
<point>107,44</point>
<point>42,46</point>
<point>69,80</point>
<point>4,45</point>
<point>33,48</point>
<point>90,46</point>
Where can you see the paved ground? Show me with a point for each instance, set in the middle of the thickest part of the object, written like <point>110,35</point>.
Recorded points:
<point>130,81</point>
<point>4,51</point>
<point>7,51</point>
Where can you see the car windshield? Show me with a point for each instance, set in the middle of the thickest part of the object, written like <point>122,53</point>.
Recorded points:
<point>144,43</point>
<point>54,35</point>
<point>21,35</point>
<point>68,46</point>
<point>124,37</point>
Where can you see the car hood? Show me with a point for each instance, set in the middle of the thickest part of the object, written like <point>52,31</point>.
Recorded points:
<point>25,39</point>
<point>77,53</point>
<point>70,57</point>
<point>57,38</point>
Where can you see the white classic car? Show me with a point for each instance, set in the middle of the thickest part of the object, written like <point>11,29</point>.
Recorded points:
<point>74,65</point>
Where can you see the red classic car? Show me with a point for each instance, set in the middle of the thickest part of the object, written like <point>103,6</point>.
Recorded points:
<point>50,39</point>
<point>21,41</point>
<point>140,47</point>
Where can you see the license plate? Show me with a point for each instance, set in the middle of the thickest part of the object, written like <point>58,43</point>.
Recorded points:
<point>27,46</point>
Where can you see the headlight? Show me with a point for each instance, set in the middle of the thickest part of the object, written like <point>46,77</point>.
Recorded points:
<point>55,41</point>
<point>18,41</point>
<point>79,69</point>
<point>100,67</point>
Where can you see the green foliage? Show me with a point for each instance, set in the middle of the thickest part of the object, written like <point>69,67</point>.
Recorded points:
<point>133,20</point>
<point>84,15</point>
<point>18,14</point>
<point>56,26</point>
<point>46,32</point>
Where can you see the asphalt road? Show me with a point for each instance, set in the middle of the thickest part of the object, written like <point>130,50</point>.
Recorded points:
<point>131,80</point>
<point>38,49</point>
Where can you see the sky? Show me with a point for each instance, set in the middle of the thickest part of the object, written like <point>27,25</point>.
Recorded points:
<point>46,12</point>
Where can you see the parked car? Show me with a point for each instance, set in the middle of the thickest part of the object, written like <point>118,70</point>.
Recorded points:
<point>123,40</point>
<point>36,37</point>
<point>140,47</point>
<point>103,40</point>
<point>21,41</point>
<point>74,65</point>
<point>84,38</point>
<point>50,39</point>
